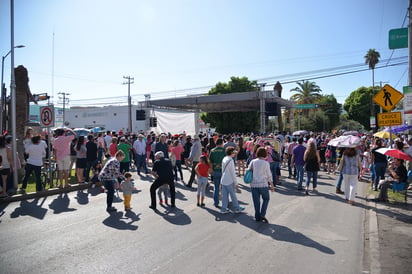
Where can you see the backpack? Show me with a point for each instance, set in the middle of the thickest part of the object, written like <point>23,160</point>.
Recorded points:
<point>275,156</point>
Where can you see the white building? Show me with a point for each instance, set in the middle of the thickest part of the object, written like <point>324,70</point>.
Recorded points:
<point>115,118</point>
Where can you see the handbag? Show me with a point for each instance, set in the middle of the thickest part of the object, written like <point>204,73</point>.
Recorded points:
<point>248,176</point>
<point>340,167</point>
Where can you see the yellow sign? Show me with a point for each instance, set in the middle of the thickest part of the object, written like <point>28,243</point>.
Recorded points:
<point>387,97</point>
<point>389,119</point>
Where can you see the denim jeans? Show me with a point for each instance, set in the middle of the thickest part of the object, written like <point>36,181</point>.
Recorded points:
<point>140,163</point>
<point>299,173</point>
<point>312,175</point>
<point>290,167</point>
<point>256,193</point>
<point>100,154</point>
<point>37,172</point>
<point>340,179</point>
<point>380,168</point>
<point>226,191</point>
<point>217,175</point>
<point>178,167</point>
<point>273,167</point>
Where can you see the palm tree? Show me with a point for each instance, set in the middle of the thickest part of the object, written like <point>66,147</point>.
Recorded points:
<point>307,92</point>
<point>372,58</point>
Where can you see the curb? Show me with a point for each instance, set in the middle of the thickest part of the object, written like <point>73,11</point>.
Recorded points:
<point>44,193</point>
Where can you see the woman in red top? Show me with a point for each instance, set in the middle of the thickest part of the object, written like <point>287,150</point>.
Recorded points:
<point>203,170</point>
<point>113,147</point>
<point>177,150</point>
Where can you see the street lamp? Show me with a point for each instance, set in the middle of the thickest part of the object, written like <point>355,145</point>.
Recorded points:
<point>3,89</point>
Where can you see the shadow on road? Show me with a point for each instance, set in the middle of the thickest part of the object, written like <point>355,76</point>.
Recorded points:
<point>174,216</point>
<point>61,204</point>
<point>32,209</point>
<point>282,233</point>
<point>117,221</point>
<point>82,197</point>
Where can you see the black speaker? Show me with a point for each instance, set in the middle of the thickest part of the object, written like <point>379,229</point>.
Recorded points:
<point>272,109</point>
<point>153,122</point>
<point>140,114</point>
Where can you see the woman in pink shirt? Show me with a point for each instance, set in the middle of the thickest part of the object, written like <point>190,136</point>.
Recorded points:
<point>177,150</point>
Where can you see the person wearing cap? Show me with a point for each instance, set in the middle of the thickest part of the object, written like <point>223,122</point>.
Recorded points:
<point>162,171</point>
<point>139,148</point>
<point>194,158</point>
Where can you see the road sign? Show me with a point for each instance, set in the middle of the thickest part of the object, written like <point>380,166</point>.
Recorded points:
<point>389,119</point>
<point>47,116</point>
<point>306,106</point>
<point>387,97</point>
<point>398,38</point>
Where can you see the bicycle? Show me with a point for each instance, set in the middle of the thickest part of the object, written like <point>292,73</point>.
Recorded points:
<point>49,174</point>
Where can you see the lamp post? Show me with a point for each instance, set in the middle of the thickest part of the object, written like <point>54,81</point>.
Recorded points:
<point>3,90</point>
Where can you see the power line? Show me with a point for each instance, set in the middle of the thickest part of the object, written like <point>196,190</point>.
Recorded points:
<point>283,79</point>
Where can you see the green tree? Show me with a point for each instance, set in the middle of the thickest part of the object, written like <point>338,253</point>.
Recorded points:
<point>331,109</point>
<point>307,92</point>
<point>228,122</point>
<point>357,106</point>
<point>372,58</point>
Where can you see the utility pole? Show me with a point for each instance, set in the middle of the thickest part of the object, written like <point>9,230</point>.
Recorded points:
<point>130,80</point>
<point>65,99</point>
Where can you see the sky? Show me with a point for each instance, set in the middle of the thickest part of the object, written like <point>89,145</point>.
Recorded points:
<point>184,47</point>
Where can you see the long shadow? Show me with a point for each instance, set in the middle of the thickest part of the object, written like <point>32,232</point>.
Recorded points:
<point>33,209</point>
<point>94,191</point>
<point>174,216</point>
<point>283,233</point>
<point>117,221</point>
<point>219,217</point>
<point>2,208</point>
<point>82,197</point>
<point>145,178</point>
<point>61,204</point>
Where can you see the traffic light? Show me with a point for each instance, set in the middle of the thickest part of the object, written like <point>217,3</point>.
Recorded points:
<point>140,115</point>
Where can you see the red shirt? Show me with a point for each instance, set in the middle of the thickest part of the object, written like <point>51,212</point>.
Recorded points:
<point>203,169</point>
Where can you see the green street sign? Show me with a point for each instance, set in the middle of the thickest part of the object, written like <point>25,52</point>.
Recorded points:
<point>306,106</point>
<point>398,38</point>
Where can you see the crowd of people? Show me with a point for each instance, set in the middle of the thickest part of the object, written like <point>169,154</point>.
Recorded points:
<point>212,159</point>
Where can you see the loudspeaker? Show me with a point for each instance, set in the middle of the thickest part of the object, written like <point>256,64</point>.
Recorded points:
<point>272,109</point>
<point>140,115</point>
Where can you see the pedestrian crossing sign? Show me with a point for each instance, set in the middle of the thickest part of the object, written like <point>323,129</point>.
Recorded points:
<point>387,97</point>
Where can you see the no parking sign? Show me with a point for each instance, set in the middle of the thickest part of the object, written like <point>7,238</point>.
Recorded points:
<point>47,116</point>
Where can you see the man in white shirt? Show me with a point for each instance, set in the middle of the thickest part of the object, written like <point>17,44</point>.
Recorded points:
<point>139,148</point>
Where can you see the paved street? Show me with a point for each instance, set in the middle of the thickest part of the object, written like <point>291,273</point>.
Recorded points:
<point>319,233</point>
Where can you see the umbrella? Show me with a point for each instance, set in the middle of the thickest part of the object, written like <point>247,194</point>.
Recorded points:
<point>384,135</point>
<point>395,153</point>
<point>397,129</point>
<point>352,132</point>
<point>345,141</point>
<point>300,132</point>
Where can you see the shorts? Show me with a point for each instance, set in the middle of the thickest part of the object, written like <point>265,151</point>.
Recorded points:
<point>5,171</point>
<point>81,163</point>
<point>63,164</point>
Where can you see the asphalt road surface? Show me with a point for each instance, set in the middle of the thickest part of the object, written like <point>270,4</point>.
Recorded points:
<point>319,233</point>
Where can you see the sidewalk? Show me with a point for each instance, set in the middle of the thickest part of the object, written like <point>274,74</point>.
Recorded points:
<point>395,236</point>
